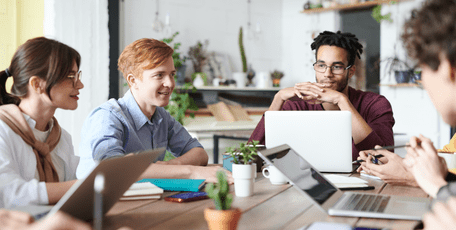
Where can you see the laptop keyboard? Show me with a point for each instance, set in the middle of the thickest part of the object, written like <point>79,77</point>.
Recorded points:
<point>366,202</point>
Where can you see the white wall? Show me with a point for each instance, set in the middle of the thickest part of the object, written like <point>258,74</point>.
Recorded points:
<point>83,25</point>
<point>297,56</point>
<point>413,110</point>
<point>215,20</point>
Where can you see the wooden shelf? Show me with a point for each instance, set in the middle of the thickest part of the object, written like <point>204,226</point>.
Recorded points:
<point>353,6</point>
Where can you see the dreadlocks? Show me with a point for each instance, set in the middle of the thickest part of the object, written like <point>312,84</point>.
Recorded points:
<point>346,41</point>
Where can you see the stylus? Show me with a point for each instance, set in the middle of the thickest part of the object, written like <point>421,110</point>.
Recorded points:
<point>98,187</point>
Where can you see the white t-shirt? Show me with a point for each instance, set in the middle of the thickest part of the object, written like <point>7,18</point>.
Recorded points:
<point>19,184</point>
<point>59,164</point>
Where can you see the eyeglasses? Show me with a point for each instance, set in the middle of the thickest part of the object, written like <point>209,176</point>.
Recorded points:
<point>335,69</point>
<point>77,76</point>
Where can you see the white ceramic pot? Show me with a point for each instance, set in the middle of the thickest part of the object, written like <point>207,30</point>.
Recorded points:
<point>240,78</point>
<point>244,179</point>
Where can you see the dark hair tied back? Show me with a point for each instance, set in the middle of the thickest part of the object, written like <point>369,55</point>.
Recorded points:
<point>48,59</point>
<point>347,41</point>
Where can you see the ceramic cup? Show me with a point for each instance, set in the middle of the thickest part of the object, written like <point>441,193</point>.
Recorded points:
<point>274,175</point>
<point>450,159</point>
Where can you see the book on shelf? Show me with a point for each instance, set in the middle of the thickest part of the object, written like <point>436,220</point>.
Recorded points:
<point>177,185</point>
<point>142,191</point>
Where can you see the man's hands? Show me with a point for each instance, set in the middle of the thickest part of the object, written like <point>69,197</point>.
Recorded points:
<point>313,93</point>
<point>443,216</point>
<point>317,93</point>
<point>427,167</point>
<point>391,170</point>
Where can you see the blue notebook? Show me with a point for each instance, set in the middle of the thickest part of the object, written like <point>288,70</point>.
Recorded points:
<point>178,185</point>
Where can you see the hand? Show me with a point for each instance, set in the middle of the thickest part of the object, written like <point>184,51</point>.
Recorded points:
<point>162,162</point>
<point>443,216</point>
<point>209,173</point>
<point>426,166</point>
<point>302,91</point>
<point>392,170</point>
<point>14,219</point>
<point>322,95</point>
<point>60,220</point>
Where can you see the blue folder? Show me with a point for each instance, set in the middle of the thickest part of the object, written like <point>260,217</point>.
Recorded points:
<point>178,185</point>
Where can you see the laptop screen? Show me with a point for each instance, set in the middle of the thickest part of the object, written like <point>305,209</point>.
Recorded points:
<point>302,174</point>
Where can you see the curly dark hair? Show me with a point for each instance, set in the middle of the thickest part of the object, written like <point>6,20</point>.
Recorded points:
<point>431,31</point>
<point>347,41</point>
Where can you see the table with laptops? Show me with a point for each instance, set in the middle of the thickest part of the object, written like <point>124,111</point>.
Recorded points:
<point>282,206</point>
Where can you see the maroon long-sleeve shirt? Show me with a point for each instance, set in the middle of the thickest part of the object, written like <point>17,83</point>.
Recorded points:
<point>375,110</point>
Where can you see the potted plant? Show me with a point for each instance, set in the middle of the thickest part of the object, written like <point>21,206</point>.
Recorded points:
<point>240,77</point>
<point>276,76</point>
<point>223,216</point>
<point>198,56</point>
<point>243,168</point>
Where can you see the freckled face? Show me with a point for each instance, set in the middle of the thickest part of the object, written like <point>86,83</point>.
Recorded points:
<point>156,85</point>
<point>333,56</point>
<point>65,93</point>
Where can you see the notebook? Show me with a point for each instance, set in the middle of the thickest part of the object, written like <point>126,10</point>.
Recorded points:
<point>323,138</point>
<point>142,191</point>
<point>120,173</point>
<point>312,184</point>
<point>177,185</point>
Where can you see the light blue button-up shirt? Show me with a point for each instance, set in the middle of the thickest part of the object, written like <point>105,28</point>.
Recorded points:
<point>119,127</point>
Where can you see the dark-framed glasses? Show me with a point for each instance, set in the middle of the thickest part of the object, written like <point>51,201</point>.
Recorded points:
<point>335,69</point>
<point>75,76</point>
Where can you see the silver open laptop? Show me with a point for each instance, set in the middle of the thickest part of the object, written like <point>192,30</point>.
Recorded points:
<point>119,173</point>
<point>324,138</point>
<point>311,183</point>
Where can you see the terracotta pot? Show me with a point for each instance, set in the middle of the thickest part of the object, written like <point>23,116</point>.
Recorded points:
<point>222,219</point>
<point>276,82</point>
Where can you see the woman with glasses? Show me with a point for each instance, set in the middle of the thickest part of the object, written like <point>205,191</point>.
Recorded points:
<point>37,161</point>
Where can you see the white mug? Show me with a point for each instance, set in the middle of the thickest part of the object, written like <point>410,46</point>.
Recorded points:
<point>274,175</point>
<point>450,159</point>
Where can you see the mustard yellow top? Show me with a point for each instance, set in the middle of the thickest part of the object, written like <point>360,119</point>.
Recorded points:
<point>449,148</point>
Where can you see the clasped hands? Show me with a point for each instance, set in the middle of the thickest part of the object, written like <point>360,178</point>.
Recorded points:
<point>312,93</point>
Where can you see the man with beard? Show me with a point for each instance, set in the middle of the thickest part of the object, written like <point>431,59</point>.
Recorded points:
<point>372,116</point>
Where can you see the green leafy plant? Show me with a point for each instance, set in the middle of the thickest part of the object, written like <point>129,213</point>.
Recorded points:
<point>220,192</point>
<point>277,74</point>
<point>247,152</point>
<point>241,47</point>
<point>377,14</point>
<point>178,61</point>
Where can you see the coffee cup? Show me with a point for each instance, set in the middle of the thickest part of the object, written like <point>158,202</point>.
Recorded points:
<point>450,160</point>
<point>274,175</point>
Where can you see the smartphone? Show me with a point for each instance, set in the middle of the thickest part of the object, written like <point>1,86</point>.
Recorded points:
<point>187,197</point>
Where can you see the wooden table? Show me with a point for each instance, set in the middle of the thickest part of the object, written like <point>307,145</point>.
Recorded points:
<point>271,207</point>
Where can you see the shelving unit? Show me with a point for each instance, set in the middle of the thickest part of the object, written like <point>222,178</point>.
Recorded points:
<point>354,6</point>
